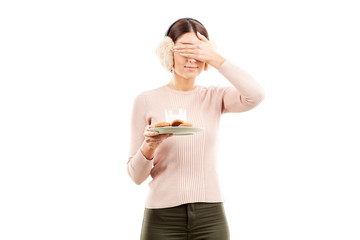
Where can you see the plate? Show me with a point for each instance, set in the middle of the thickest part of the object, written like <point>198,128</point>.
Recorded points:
<point>177,130</point>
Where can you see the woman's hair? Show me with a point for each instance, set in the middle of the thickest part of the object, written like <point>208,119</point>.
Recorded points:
<point>186,25</point>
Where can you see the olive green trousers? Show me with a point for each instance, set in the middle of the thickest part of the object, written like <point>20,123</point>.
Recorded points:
<point>193,221</point>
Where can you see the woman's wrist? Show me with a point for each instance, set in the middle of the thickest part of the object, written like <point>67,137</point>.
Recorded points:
<point>217,61</point>
<point>147,151</point>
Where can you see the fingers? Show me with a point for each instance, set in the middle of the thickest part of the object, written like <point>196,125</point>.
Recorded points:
<point>148,133</point>
<point>187,44</point>
<point>186,52</point>
<point>157,140</point>
<point>201,37</point>
<point>160,137</point>
<point>155,134</point>
<point>153,139</point>
<point>181,48</point>
<point>192,56</point>
<point>200,51</point>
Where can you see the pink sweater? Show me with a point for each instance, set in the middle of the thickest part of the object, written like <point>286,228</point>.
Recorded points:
<point>183,169</point>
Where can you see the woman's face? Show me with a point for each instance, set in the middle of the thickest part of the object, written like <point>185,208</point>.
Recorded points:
<point>187,68</point>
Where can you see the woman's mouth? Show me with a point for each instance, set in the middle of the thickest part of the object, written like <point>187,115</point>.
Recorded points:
<point>190,68</point>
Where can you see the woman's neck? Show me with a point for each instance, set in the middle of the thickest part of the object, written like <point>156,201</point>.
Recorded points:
<point>181,84</point>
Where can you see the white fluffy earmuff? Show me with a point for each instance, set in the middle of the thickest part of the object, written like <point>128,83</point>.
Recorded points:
<point>165,53</point>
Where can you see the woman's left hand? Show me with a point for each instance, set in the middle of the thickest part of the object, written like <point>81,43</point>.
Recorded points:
<point>201,50</point>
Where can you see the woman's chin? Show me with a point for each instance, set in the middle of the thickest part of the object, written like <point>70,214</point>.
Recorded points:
<point>191,73</point>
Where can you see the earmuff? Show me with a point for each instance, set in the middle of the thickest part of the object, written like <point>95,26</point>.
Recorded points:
<point>166,47</point>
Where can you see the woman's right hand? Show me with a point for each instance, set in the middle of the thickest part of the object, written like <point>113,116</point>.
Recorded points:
<point>152,140</point>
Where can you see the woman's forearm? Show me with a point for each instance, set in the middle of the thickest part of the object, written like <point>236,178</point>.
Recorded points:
<point>242,81</point>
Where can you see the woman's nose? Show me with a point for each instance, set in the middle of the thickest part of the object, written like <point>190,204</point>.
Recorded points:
<point>192,60</point>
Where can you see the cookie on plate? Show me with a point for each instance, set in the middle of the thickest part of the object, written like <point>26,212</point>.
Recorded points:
<point>162,124</point>
<point>176,122</point>
<point>185,124</point>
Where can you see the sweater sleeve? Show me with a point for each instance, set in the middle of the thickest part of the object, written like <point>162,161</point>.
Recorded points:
<point>138,166</point>
<point>245,94</point>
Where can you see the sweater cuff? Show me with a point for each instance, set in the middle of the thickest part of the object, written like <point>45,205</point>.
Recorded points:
<point>139,167</point>
<point>225,67</point>
<point>139,161</point>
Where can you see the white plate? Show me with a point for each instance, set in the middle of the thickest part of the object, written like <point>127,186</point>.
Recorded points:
<point>177,130</point>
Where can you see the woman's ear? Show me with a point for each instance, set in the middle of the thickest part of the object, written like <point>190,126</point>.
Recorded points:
<point>165,53</point>
<point>206,67</point>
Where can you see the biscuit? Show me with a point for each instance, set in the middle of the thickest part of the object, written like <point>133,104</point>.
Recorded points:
<point>176,122</point>
<point>162,124</point>
<point>185,124</point>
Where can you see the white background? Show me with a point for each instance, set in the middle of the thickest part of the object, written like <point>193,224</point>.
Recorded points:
<point>70,70</point>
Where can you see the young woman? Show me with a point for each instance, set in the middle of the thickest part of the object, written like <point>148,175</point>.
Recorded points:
<point>185,200</point>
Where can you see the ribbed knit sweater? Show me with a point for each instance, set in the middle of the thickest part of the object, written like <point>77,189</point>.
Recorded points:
<point>184,168</point>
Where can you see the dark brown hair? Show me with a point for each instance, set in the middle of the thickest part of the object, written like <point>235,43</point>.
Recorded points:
<point>186,25</point>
